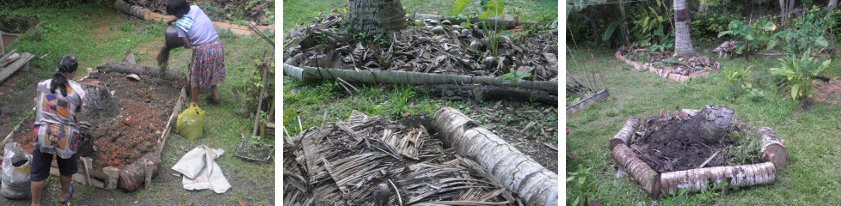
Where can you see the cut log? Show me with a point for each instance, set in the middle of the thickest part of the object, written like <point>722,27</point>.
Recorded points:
<point>482,93</point>
<point>113,175</point>
<point>624,135</point>
<point>637,169</point>
<point>12,68</point>
<point>772,149</point>
<point>713,122</point>
<point>695,180</point>
<point>598,97</point>
<point>311,74</point>
<point>141,70</point>
<point>534,184</point>
<point>134,174</point>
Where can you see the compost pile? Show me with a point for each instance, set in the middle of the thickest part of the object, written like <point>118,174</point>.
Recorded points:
<point>121,121</point>
<point>373,161</point>
<point>686,140</point>
<point>437,47</point>
<point>667,60</point>
<point>260,11</point>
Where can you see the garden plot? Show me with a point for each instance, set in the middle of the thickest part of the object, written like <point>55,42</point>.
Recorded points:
<point>432,52</point>
<point>665,65</point>
<point>692,150</point>
<point>372,160</point>
<point>124,124</point>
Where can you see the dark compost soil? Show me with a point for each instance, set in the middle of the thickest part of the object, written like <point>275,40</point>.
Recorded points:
<point>673,144</point>
<point>122,132</point>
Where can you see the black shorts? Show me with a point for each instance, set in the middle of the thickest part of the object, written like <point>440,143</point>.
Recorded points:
<point>40,165</point>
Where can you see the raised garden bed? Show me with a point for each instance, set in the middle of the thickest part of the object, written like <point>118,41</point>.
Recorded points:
<point>11,27</point>
<point>124,124</point>
<point>693,149</point>
<point>666,66</point>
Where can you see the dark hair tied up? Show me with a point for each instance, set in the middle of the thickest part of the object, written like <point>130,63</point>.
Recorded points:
<point>66,65</point>
<point>177,8</point>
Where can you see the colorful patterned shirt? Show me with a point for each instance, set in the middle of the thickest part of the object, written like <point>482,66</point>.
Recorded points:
<point>55,118</point>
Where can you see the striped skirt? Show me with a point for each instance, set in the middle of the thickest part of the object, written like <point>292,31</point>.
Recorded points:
<point>207,67</point>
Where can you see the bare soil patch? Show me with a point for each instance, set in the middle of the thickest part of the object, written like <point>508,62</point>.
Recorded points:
<point>828,92</point>
<point>124,130</point>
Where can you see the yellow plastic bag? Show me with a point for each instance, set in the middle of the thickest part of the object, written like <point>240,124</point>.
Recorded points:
<point>191,122</point>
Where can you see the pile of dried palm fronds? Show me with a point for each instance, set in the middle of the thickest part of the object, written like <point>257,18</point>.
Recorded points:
<point>436,48</point>
<point>373,161</point>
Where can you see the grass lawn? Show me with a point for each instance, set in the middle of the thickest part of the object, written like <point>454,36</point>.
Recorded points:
<point>811,176</point>
<point>300,12</point>
<point>97,35</point>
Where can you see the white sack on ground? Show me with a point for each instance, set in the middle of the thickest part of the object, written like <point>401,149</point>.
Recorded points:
<point>200,171</point>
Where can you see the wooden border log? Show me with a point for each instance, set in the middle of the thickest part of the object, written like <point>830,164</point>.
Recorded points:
<point>598,97</point>
<point>696,180</point>
<point>624,135</point>
<point>312,74</point>
<point>140,70</point>
<point>482,93</point>
<point>772,149</point>
<point>134,174</point>
<point>637,169</point>
<point>12,68</point>
<point>534,184</point>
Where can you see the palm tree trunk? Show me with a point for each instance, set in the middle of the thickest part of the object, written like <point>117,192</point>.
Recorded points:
<point>683,41</point>
<point>377,16</point>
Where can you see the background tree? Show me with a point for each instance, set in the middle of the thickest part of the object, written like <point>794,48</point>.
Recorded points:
<point>376,16</point>
<point>683,41</point>
<point>832,4</point>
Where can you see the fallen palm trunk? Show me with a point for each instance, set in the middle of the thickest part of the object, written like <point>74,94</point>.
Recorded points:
<point>146,14</point>
<point>696,180</point>
<point>535,184</point>
<point>311,74</point>
<point>639,170</point>
<point>482,93</point>
<point>714,121</point>
<point>595,98</point>
<point>624,135</point>
<point>503,23</point>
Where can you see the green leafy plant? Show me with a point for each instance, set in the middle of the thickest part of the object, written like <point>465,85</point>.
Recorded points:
<point>799,72</point>
<point>752,37</point>
<point>661,45</point>
<point>514,77</point>
<point>807,33</point>
<point>740,81</point>
<point>652,25</point>
<point>579,191</point>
